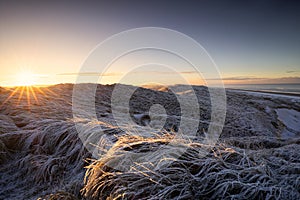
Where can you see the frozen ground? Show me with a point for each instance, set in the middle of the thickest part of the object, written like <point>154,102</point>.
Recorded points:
<point>257,155</point>
<point>291,120</point>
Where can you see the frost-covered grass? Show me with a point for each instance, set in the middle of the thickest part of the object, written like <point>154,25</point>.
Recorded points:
<point>227,172</point>
<point>42,156</point>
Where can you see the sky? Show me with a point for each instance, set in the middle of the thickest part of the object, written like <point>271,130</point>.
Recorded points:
<point>250,41</point>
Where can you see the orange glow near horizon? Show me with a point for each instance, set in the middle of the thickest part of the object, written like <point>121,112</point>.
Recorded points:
<point>26,77</point>
<point>27,93</point>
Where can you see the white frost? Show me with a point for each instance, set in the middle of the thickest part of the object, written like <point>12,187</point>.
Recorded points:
<point>290,118</point>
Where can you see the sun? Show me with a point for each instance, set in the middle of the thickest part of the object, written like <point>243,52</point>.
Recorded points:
<point>25,91</point>
<point>25,78</point>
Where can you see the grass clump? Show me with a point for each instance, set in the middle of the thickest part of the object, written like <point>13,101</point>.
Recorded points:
<point>225,172</point>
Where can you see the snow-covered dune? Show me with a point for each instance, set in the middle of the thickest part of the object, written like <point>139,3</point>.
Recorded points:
<point>42,156</point>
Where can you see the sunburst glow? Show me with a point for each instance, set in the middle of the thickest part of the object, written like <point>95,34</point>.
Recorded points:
<point>27,95</point>
<point>26,78</point>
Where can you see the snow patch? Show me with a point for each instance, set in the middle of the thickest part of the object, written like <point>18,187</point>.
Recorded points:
<point>291,119</point>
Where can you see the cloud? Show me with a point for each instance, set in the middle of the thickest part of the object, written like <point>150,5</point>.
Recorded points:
<point>259,80</point>
<point>165,72</point>
<point>88,74</point>
<point>118,74</point>
<point>291,71</point>
<point>292,79</point>
<point>188,72</point>
<point>238,78</point>
<point>134,72</point>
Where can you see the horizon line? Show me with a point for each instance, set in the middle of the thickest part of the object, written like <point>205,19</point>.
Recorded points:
<point>69,83</point>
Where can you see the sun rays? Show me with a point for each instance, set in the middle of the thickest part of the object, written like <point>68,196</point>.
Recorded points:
<point>28,94</point>
<point>25,91</point>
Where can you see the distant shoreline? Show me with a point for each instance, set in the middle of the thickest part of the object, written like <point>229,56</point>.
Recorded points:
<point>266,92</point>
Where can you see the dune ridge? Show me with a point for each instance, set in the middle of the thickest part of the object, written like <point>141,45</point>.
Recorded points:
<point>41,155</point>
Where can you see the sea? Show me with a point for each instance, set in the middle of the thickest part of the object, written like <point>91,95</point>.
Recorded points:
<point>292,88</point>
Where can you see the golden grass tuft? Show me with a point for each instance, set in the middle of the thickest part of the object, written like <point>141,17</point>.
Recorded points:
<point>226,172</point>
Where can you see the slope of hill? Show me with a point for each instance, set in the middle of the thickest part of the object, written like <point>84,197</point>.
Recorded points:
<point>41,155</point>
